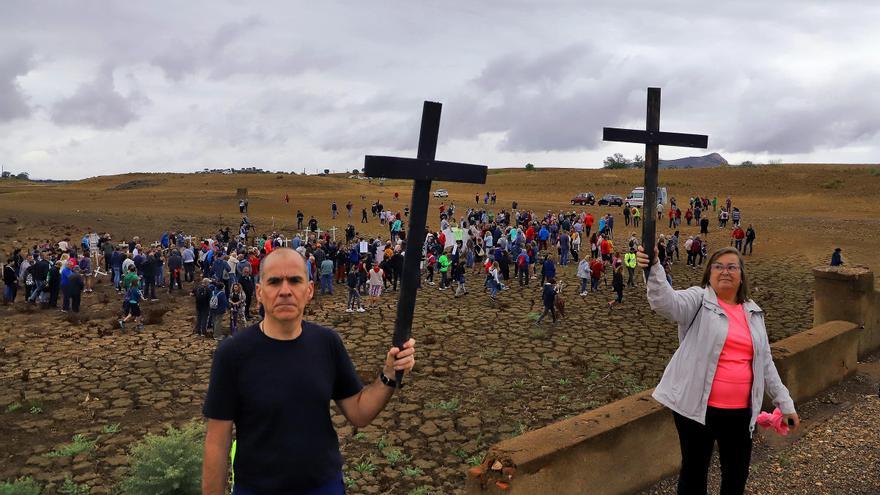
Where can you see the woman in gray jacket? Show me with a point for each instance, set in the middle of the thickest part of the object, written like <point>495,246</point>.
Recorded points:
<point>715,382</point>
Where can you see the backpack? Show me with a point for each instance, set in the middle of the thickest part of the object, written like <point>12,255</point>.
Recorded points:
<point>214,301</point>
<point>521,262</point>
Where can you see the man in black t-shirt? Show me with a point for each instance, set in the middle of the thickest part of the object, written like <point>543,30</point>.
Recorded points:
<point>274,382</point>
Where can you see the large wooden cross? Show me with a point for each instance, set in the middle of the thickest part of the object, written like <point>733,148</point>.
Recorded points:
<point>422,169</point>
<point>652,137</point>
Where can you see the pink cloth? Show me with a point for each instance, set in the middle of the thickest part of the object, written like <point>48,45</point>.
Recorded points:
<point>776,420</point>
<point>732,384</point>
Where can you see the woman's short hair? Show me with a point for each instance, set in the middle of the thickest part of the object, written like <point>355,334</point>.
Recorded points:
<point>743,293</point>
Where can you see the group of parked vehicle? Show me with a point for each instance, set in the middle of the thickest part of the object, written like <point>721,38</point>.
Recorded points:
<point>635,198</point>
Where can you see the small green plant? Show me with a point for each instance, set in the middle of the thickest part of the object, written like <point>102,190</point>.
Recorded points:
<point>519,382</point>
<point>396,455</point>
<point>21,486</point>
<point>110,429</point>
<point>445,405</point>
<point>79,444</point>
<point>474,460</point>
<point>382,444</point>
<point>564,381</point>
<point>614,358</point>
<point>15,406</point>
<point>421,490</point>
<point>534,316</point>
<point>460,453</point>
<point>360,436</point>
<point>521,428</point>
<point>563,398</point>
<point>593,376</point>
<point>365,466</point>
<point>70,487</point>
<point>350,484</point>
<point>412,472</point>
<point>169,464</point>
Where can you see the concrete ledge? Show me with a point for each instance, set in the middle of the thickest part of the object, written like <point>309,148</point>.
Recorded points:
<point>815,359</point>
<point>618,448</point>
<point>632,443</point>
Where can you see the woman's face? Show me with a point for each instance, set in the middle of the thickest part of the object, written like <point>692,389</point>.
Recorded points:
<point>725,277</point>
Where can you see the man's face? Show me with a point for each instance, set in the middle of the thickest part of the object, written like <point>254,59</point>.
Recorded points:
<point>284,289</point>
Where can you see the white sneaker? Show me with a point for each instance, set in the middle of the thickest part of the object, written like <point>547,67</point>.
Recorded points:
<point>361,310</point>
<point>349,310</point>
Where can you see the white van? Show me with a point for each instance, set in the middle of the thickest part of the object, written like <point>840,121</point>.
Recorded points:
<point>637,196</point>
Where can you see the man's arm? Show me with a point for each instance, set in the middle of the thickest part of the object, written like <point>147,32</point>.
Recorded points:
<point>361,408</point>
<point>215,469</point>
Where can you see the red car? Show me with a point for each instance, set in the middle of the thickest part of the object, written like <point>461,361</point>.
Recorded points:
<point>584,199</point>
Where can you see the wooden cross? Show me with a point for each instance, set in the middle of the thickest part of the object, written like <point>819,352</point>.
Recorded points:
<point>422,169</point>
<point>652,137</point>
<point>333,231</point>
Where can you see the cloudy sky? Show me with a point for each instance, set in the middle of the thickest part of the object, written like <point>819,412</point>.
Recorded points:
<point>99,87</point>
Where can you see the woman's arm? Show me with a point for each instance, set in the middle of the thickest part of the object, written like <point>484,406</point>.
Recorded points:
<point>677,305</point>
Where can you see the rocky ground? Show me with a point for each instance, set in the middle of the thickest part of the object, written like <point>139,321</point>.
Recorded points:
<point>485,372</point>
<point>836,451</point>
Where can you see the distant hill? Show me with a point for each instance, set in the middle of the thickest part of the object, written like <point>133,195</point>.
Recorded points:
<point>708,161</point>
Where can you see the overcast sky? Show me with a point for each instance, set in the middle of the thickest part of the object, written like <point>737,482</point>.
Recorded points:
<point>92,88</point>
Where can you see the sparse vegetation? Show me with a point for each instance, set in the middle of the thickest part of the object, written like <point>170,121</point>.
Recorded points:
<point>365,466</point>
<point>832,184</point>
<point>21,486</point>
<point>70,487</point>
<point>168,464</point>
<point>15,406</point>
<point>360,436</point>
<point>445,405</point>
<point>412,472</point>
<point>78,445</point>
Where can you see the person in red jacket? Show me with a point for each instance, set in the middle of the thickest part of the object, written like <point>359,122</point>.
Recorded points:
<point>597,268</point>
<point>588,222</point>
<point>738,235</point>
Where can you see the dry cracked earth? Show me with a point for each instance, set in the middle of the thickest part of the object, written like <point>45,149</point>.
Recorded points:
<point>485,372</point>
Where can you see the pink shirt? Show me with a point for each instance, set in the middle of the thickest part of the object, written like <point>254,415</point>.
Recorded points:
<point>732,384</point>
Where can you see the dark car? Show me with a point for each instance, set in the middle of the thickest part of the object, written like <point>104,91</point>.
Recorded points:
<point>584,199</point>
<point>611,200</point>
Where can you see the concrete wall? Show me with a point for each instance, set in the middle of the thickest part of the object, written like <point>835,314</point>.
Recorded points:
<point>847,293</point>
<point>632,443</point>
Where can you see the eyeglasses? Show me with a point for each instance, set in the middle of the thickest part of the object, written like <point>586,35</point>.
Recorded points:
<point>732,267</point>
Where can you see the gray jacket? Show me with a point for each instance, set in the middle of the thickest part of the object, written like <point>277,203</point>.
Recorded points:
<point>702,331</point>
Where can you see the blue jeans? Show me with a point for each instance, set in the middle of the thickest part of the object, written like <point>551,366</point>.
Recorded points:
<point>9,293</point>
<point>563,258</point>
<point>327,283</point>
<point>584,282</point>
<point>117,276</point>
<point>39,288</point>
<point>333,487</point>
<point>493,286</point>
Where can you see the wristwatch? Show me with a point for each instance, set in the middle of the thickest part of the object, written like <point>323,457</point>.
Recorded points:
<point>388,381</point>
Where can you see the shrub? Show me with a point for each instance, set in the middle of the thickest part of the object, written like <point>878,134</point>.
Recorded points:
<point>71,487</point>
<point>875,172</point>
<point>530,167</point>
<point>167,464</point>
<point>21,486</point>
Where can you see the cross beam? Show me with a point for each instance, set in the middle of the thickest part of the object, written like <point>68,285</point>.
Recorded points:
<point>652,137</point>
<point>423,169</point>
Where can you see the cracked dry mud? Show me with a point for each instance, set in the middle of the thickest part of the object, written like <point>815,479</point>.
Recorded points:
<point>485,372</point>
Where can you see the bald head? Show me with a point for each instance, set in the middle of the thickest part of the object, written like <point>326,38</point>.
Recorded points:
<point>283,255</point>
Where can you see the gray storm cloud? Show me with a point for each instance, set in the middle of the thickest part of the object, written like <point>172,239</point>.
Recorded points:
<point>13,101</point>
<point>97,104</point>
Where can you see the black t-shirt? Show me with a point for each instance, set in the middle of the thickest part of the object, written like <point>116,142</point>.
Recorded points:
<point>278,394</point>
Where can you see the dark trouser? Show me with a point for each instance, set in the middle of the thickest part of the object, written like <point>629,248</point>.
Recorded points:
<point>65,298</point>
<point>738,244</point>
<point>730,428</point>
<point>9,292</point>
<point>550,310</point>
<point>53,297</point>
<point>690,260</point>
<point>594,284</point>
<point>189,271</point>
<point>632,271</point>
<point>524,277</point>
<point>174,278</point>
<point>394,279</point>
<point>748,246</point>
<point>150,287</point>
<point>75,297</point>
<point>584,282</point>
<point>249,297</point>
<point>354,299</point>
<point>619,295</point>
<point>444,281</point>
<point>201,321</point>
